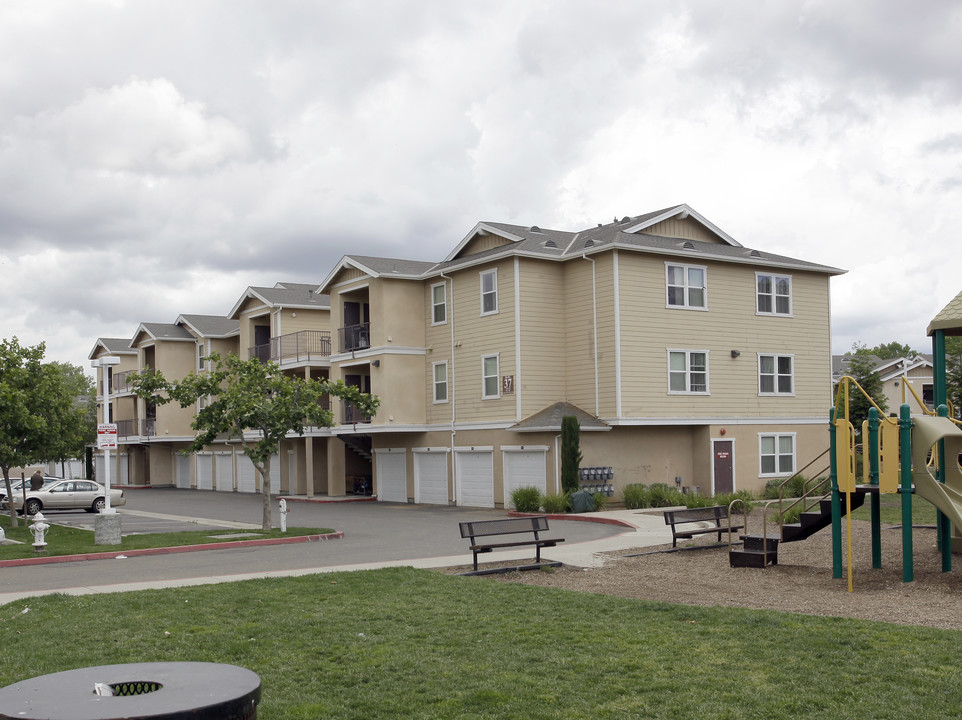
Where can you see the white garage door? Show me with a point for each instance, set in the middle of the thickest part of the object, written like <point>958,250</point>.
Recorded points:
<point>523,468</point>
<point>181,470</point>
<point>475,477</point>
<point>392,481</point>
<point>246,475</point>
<point>224,471</point>
<point>205,471</point>
<point>275,474</point>
<point>431,478</point>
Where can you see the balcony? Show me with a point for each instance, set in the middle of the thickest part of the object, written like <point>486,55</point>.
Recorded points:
<point>353,414</point>
<point>354,337</point>
<point>136,428</point>
<point>120,382</point>
<point>301,346</point>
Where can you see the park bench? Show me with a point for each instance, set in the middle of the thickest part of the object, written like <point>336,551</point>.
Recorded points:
<point>714,514</point>
<point>480,529</point>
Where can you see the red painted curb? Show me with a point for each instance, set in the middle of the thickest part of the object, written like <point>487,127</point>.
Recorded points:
<point>19,562</point>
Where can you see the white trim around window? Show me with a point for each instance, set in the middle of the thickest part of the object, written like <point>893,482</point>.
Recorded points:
<point>489,291</point>
<point>773,294</point>
<point>440,375</point>
<point>490,377</point>
<point>439,305</point>
<point>686,286</point>
<point>776,374</point>
<point>202,353</point>
<point>776,454</point>
<point>688,372</point>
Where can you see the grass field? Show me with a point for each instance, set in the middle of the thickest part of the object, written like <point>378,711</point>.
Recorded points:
<point>415,644</point>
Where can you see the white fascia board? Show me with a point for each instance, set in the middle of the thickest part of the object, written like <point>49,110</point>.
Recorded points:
<point>100,345</point>
<point>678,210</point>
<point>655,421</point>
<point>556,429</point>
<point>181,320</point>
<point>481,227</point>
<point>249,293</point>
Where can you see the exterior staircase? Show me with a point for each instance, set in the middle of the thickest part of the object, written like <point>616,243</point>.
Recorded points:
<point>360,444</point>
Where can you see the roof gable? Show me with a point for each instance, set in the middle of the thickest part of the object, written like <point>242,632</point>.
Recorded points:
<point>111,346</point>
<point>684,221</point>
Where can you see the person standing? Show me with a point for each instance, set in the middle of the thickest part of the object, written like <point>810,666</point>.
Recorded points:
<point>36,480</point>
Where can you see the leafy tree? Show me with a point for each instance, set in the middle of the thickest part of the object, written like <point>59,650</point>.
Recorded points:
<point>36,408</point>
<point>78,423</point>
<point>953,372</point>
<point>885,351</point>
<point>250,397</point>
<point>570,452</point>
<point>862,369</point>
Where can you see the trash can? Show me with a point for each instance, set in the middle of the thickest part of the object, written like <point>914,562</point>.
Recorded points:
<point>159,691</point>
<point>582,501</point>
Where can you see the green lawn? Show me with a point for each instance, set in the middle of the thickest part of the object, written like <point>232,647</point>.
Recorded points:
<point>75,541</point>
<point>890,510</point>
<point>403,643</point>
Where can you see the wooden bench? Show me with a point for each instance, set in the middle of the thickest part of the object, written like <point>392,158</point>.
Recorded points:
<point>508,526</point>
<point>714,514</point>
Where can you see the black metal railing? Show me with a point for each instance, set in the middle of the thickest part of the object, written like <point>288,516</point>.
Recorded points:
<point>136,428</point>
<point>296,347</point>
<point>354,337</point>
<point>353,414</point>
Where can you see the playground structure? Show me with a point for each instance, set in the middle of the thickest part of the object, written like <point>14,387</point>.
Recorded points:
<point>905,455</point>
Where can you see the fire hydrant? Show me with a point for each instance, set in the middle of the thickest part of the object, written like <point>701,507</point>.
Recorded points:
<point>283,504</point>
<point>38,529</point>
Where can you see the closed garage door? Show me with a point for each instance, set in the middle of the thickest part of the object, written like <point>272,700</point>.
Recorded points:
<point>475,477</point>
<point>224,467</point>
<point>523,468</point>
<point>205,471</point>
<point>392,482</point>
<point>275,474</point>
<point>246,475</point>
<point>181,470</point>
<point>431,478</point>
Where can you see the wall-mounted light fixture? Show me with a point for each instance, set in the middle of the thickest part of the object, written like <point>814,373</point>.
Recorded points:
<point>376,363</point>
<point>736,353</point>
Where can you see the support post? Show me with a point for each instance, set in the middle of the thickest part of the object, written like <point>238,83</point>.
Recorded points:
<point>945,526</point>
<point>905,450</point>
<point>836,500</point>
<point>875,499</point>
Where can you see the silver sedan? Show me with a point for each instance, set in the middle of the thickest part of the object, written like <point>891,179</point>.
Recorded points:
<point>67,495</point>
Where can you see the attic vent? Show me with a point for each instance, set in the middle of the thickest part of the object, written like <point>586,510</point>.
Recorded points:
<point>625,219</point>
<point>755,253</point>
<point>550,243</point>
<point>535,228</point>
<point>589,243</point>
<point>689,245</point>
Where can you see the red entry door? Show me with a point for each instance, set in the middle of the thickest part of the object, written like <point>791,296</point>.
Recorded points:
<point>723,459</point>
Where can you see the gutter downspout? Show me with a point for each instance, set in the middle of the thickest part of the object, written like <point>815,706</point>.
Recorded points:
<point>452,393</point>
<point>594,323</point>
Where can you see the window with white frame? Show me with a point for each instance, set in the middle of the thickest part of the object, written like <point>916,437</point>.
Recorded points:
<point>688,371</point>
<point>776,374</point>
<point>201,355</point>
<point>686,286</point>
<point>441,382</point>
<point>776,454</point>
<point>773,293</point>
<point>489,292</point>
<point>490,385</point>
<point>439,304</point>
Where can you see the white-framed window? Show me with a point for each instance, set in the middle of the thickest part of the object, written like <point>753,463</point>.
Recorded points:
<point>687,286</point>
<point>688,371</point>
<point>776,374</point>
<point>776,453</point>
<point>773,294</point>
<point>439,304</point>
<point>202,355</point>
<point>490,382</point>
<point>489,292</point>
<point>441,382</point>
<point>202,402</point>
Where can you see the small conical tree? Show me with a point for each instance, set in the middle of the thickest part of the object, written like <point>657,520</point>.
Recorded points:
<point>570,452</point>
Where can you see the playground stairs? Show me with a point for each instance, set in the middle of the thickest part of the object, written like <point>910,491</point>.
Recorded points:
<point>758,551</point>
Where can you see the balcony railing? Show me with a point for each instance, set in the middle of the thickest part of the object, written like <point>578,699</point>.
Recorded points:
<point>120,382</point>
<point>353,414</point>
<point>136,428</point>
<point>294,347</point>
<point>354,337</point>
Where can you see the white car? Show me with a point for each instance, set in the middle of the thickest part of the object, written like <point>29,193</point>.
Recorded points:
<point>66,495</point>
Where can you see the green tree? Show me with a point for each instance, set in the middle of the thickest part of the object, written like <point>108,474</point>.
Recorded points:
<point>862,369</point>
<point>78,422</point>
<point>570,452</point>
<point>953,372</point>
<point>36,407</point>
<point>251,398</point>
<point>886,351</point>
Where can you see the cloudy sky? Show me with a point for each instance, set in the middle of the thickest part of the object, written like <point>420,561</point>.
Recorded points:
<point>159,156</point>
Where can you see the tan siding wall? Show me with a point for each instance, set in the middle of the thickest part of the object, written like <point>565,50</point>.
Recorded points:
<point>542,336</point>
<point>685,229</point>
<point>292,321</point>
<point>579,343</point>
<point>482,243</point>
<point>437,342</point>
<point>176,360</point>
<point>397,311</point>
<point>398,382</point>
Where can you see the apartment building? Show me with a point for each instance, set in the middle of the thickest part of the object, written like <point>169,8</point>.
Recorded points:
<point>688,359</point>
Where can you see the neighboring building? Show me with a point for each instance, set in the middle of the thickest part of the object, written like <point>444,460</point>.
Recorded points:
<point>688,359</point>
<point>904,380</point>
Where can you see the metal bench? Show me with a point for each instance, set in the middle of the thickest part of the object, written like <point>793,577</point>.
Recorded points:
<point>508,526</point>
<point>715,514</point>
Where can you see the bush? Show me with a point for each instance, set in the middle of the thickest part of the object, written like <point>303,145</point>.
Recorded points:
<point>744,495</point>
<point>795,488</point>
<point>526,499</point>
<point>600,500</point>
<point>556,503</point>
<point>663,495</point>
<point>636,496</point>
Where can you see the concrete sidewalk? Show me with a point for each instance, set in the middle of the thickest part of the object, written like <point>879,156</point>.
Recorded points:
<point>641,529</point>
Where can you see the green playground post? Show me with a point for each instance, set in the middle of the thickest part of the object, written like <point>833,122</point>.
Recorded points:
<point>836,502</point>
<point>873,459</point>
<point>945,526</point>
<point>905,450</point>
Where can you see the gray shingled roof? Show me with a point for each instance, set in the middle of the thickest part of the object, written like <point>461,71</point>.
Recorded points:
<point>166,331</point>
<point>549,420</point>
<point>296,296</point>
<point>113,346</point>
<point>212,326</point>
<point>393,266</point>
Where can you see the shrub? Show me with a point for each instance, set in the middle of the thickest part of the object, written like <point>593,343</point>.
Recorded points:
<point>556,503</point>
<point>796,487</point>
<point>744,495</point>
<point>600,499</point>
<point>636,496</point>
<point>663,495</point>
<point>526,499</point>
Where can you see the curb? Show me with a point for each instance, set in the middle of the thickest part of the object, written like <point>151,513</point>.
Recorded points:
<point>571,516</point>
<point>115,554</point>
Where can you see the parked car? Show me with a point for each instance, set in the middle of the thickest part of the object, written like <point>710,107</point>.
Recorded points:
<point>66,495</point>
<point>17,486</point>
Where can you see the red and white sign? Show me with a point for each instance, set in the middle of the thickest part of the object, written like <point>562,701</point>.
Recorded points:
<point>107,435</point>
